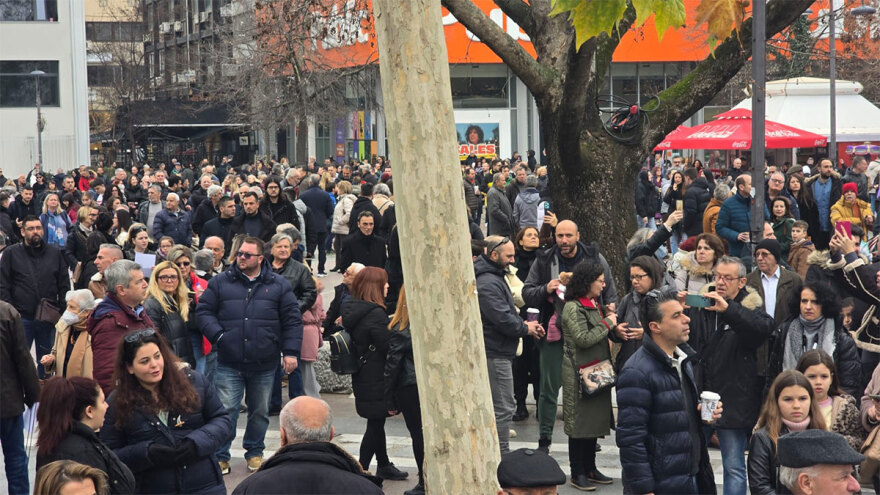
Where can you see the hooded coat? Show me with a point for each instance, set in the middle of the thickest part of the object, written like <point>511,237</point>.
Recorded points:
<point>710,215</point>
<point>691,276</point>
<point>502,326</point>
<point>525,209</point>
<point>647,197</point>
<point>696,200</point>
<point>367,324</point>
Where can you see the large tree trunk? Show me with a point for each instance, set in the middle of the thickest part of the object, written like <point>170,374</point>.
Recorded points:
<point>461,446</point>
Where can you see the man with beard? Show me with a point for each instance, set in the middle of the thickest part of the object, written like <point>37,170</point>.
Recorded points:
<point>252,221</point>
<point>23,206</point>
<point>826,188</point>
<point>30,272</point>
<point>502,329</point>
<point>276,206</point>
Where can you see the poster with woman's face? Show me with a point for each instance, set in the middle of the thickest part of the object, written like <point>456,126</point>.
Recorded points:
<point>477,139</point>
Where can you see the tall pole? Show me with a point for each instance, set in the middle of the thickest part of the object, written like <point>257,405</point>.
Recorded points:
<point>759,36</point>
<point>39,124</point>
<point>832,66</point>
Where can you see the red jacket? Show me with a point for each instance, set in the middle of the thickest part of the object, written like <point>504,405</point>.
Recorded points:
<point>107,324</point>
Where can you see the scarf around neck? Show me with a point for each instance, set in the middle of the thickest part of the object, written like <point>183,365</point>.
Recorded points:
<point>819,334</point>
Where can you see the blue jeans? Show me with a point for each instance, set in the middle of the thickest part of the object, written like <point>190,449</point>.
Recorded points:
<point>12,441</point>
<point>44,334</point>
<point>675,240</point>
<point>734,443</point>
<point>256,387</point>
<point>652,224</point>
<point>294,387</point>
<point>205,364</point>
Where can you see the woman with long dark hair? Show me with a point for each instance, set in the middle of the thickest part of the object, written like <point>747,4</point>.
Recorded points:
<point>803,195</point>
<point>401,389</point>
<point>364,317</point>
<point>645,274</point>
<point>673,195</point>
<point>165,420</point>
<point>71,413</point>
<point>789,407</point>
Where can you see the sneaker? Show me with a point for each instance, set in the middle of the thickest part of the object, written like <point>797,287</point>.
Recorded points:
<point>596,477</point>
<point>390,472</point>
<point>322,274</point>
<point>254,463</point>
<point>224,467</point>
<point>521,413</point>
<point>582,483</point>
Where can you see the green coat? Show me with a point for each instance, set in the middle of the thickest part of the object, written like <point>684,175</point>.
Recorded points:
<point>586,340</point>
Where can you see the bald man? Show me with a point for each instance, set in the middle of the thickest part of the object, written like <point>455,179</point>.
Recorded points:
<point>173,222</point>
<point>307,463</point>
<point>215,244</point>
<point>541,291</point>
<point>107,255</point>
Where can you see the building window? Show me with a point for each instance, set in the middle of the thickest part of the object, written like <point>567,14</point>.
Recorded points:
<point>114,31</point>
<point>103,75</point>
<point>322,142</point>
<point>18,87</point>
<point>480,92</point>
<point>29,10</point>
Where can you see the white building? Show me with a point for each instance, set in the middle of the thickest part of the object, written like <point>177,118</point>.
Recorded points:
<point>46,35</point>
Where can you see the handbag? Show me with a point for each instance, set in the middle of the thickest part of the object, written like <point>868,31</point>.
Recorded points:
<point>47,312</point>
<point>596,377</point>
<point>343,354</point>
<point>871,451</point>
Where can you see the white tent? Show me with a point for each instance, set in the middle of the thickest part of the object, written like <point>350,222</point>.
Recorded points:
<point>804,103</point>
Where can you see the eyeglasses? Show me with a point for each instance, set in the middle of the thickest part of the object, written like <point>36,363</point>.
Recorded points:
<point>636,278</point>
<point>167,278</point>
<point>183,263</point>
<point>729,279</point>
<point>247,256</point>
<point>491,248</point>
<point>139,335</point>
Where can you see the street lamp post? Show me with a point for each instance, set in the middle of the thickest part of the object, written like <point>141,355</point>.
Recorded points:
<point>862,11</point>
<point>38,74</point>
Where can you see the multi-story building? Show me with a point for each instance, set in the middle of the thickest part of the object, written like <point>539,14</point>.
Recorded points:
<point>47,36</point>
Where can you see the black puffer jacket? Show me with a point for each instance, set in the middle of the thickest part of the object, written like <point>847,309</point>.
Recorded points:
<point>400,367</point>
<point>654,428</point>
<point>727,345</point>
<point>846,358</point>
<point>309,468</point>
<point>368,325</point>
<point>83,446</point>
<point>172,327</point>
<point>502,326</point>
<point>762,465</point>
<point>696,199</point>
<point>209,427</point>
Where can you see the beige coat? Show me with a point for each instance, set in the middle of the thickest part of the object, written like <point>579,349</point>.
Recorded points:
<point>80,356</point>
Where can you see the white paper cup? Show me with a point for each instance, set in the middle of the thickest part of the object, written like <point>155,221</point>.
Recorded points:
<point>710,402</point>
<point>532,314</point>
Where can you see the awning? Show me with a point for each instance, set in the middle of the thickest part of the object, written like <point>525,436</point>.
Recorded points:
<point>804,103</point>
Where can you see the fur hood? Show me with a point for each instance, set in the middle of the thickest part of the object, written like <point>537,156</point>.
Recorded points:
<point>694,269</point>
<point>809,180</point>
<point>751,301</point>
<point>822,259</point>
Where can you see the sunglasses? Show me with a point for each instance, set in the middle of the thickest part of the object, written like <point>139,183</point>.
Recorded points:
<point>247,256</point>
<point>492,247</point>
<point>139,335</point>
<point>183,263</point>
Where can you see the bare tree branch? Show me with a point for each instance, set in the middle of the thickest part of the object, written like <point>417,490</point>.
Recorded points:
<point>530,71</point>
<point>683,99</point>
<point>520,13</point>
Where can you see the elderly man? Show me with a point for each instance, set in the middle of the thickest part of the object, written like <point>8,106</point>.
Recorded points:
<point>107,255</point>
<point>733,222</point>
<point>148,210</point>
<point>529,472</point>
<point>776,189</point>
<point>499,210</point>
<point>308,462</point>
<point>817,462</point>
<point>173,222</point>
<point>215,244</point>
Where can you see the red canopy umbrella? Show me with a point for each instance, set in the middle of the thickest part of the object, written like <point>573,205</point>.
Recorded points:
<point>732,130</point>
<point>667,144</point>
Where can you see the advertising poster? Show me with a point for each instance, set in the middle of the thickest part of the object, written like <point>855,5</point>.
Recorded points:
<point>340,140</point>
<point>360,116</point>
<point>477,139</point>
<point>368,128</point>
<point>354,126</point>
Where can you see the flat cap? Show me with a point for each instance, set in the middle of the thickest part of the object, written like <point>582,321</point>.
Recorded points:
<point>812,447</point>
<point>523,468</point>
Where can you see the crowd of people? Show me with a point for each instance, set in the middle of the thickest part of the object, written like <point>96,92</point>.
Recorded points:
<point>164,302</point>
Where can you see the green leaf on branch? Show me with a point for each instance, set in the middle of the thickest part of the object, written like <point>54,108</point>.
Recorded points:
<point>668,14</point>
<point>721,16</point>
<point>590,18</point>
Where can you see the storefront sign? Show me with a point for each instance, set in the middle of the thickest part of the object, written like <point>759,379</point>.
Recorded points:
<point>477,139</point>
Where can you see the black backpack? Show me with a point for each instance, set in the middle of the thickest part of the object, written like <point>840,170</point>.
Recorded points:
<point>344,359</point>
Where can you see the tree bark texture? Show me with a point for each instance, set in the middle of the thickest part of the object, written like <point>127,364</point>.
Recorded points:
<point>592,176</point>
<point>461,444</point>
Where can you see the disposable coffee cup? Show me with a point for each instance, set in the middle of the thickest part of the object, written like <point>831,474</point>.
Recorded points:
<point>532,314</point>
<point>710,402</point>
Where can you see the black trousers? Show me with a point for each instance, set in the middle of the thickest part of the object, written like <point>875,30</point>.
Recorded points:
<point>408,398</point>
<point>321,244</point>
<point>373,443</point>
<point>526,370</point>
<point>582,455</point>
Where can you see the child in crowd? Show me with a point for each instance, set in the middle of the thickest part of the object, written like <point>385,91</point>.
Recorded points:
<point>782,221</point>
<point>800,248</point>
